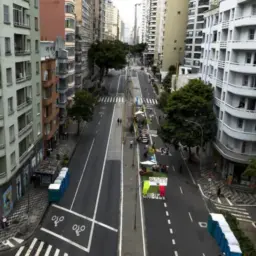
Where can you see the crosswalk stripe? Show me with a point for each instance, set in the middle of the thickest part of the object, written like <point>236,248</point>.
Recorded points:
<point>39,249</point>
<point>239,215</point>
<point>47,253</point>
<point>57,252</point>
<point>235,211</point>
<point>156,102</point>
<point>230,207</point>
<point>147,101</point>
<point>31,247</point>
<point>105,99</point>
<point>20,251</point>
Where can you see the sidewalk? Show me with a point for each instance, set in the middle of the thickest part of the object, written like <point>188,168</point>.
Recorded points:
<point>132,238</point>
<point>23,223</point>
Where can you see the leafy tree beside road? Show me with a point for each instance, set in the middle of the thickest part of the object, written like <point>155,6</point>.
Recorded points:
<point>193,103</point>
<point>167,82</point>
<point>107,54</point>
<point>82,108</point>
<point>251,168</point>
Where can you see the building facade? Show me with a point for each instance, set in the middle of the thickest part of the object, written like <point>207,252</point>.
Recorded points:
<point>111,21</point>
<point>21,147</point>
<point>50,96</point>
<point>194,34</point>
<point>228,63</point>
<point>174,36</point>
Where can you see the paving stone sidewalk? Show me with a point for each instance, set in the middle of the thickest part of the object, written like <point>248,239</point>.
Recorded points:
<point>132,238</point>
<point>28,213</point>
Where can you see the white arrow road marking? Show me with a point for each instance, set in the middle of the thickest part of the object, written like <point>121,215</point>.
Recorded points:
<point>18,240</point>
<point>7,243</point>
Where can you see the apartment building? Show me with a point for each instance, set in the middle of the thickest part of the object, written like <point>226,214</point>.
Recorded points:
<point>84,38</point>
<point>21,148</point>
<point>194,34</point>
<point>174,33</point>
<point>50,96</point>
<point>228,63</point>
<point>144,12</point>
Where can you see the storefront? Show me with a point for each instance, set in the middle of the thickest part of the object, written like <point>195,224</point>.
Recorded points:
<point>16,187</point>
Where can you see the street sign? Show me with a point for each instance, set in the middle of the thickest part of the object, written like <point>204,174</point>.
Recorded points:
<point>78,229</point>
<point>56,220</point>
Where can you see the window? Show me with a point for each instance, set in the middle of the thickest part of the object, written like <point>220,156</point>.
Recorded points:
<point>253,81</point>
<point>7,41</point>
<point>38,108</point>
<point>11,134</point>
<point>37,67</point>
<point>221,115</point>
<point>232,13</point>
<point>36,3</point>
<point>223,96</point>
<point>13,159</point>
<point>69,8</point>
<point>39,128</point>
<point>254,9</point>
<point>240,123</point>
<point>251,34</point>
<point>228,56</point>
<point>230,34</point>
<point>245,80</point>
<point>248,58</point>
<point>10,105</point>
<point>6,14</point>
<point>37,89</point>
<point>9,76</point>
<point>69,23</point>
<point>36,46</point>
<point>36,23</point>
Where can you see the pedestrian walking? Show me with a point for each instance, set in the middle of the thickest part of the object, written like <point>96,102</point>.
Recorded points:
<point>180,168</point>
<point>218,192</point>
<point>118,121</point>
<point>131,143</point>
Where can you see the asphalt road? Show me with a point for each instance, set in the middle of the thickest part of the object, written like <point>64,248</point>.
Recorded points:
<point>173,225</point>
<point>85,221</point>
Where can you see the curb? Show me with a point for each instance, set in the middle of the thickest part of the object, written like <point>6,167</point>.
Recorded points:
<point>27,237</point>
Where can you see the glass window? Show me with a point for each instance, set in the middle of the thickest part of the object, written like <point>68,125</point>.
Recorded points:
<point>7,41</point>
<point>10,105</point>
<point>37,89</point>
<point>36,23</point>
<point>6,14</point>
<point>9,76</point>
<point>13,159</point>
<point>11,133</point>
<point>248,58</point>
<point>240,123</point>
<point>251,34</point>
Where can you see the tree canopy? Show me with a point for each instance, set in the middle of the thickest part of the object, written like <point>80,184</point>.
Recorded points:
<point>107,54</point>
<point>138,49</point>
<point>82,108</point>
<point>167,82</point>
<point>192,103</point>
<point>251,168</point>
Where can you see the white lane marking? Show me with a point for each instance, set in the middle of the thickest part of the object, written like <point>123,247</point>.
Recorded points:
<point>231,207</point>
<point>39,249</point>
<point>122,99</point>
<point>64,239</point>
<point>171,231</point>
<point>79,183</point>
<point>176,253</point>
<point>48,250</point>
<point>203,197</point>
<point>203,254</point>
<point>101,179</point>
<point>190,216</point>
<point>173,168</point>
<point>121,201</point>
<point>232,210</point>
<point>57,252</point>
<point>104,99</point>
<point>156,102</point>
<point>167,213</point>
<point>165,205</point>
<point>85,217</point>
<point>65,254</point>
<point>147,101</point>
<point>18,240</point>
<point>229,202</point>
<point>20,251</point>
<point>173,241</point>
<point>99,123</point>
<point>241,216</point>
<point>150,101</point>
<point>219,201</point>
<point>181,190</point>
<point>31,247</point>
<point>7,243</point>
<point>169,222</point>
<point>118,84</point>
<point>141,205</point>
<point>189,172</point>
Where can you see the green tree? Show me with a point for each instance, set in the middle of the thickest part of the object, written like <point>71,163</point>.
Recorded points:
<point>82,108</point>
<point>167,82</point>
<point>107,54</point>
<point>193,103</point>
<point>251,168</point>
<point>138,49</point>
<point>163,100</point>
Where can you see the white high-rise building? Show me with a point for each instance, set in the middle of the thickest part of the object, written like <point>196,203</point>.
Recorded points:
<point>228,62</point>
<point>195,24</point>
<point>144,12</point>
<point>20,99</point>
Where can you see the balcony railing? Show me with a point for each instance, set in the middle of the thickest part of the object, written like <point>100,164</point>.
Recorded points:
<point>223,44</point>
<point>23,78</point>
<point>24,104</point>
<point>221,64</point>
<point>22,52</point>
<point>225,24</point>
<point>25,129</point>
<point>21,24</point>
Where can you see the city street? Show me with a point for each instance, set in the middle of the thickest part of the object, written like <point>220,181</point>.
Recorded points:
<point>86,220</point>
<point>176,225</point>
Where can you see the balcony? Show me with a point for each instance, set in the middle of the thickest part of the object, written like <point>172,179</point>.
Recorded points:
<point>242,68</point>
<point>24,104</point>
<point>239,134</point>
<point>217,101</point>
<point>242,90</point>
<point>21,18</point>
<point>62,102</point>
<point>243,45</point>
<point>1,121</point>
<point>50,117</point>
<point>231,155</point>
<point>2,149</point>
<point>221,64</point>
<point>52,131</point>
<point>51,99</point>
<point>21,46</point>
<point>23,71</point>
<point>245,21</point>
<point>240,112</point>
<point>48,83</point>
<point>219,83</point>
<point>25,129</point>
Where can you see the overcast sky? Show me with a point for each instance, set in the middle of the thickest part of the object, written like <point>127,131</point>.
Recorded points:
<point>126,10</point>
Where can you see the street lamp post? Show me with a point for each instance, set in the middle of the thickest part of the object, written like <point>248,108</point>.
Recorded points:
<point>202,137</point>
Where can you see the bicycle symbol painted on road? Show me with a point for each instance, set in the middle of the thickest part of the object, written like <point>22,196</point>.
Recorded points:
<point>78,229</point>
<point>57,219</point>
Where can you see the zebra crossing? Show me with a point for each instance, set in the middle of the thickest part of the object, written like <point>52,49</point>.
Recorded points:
<point>39,248</point>
<point>116,99</point>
